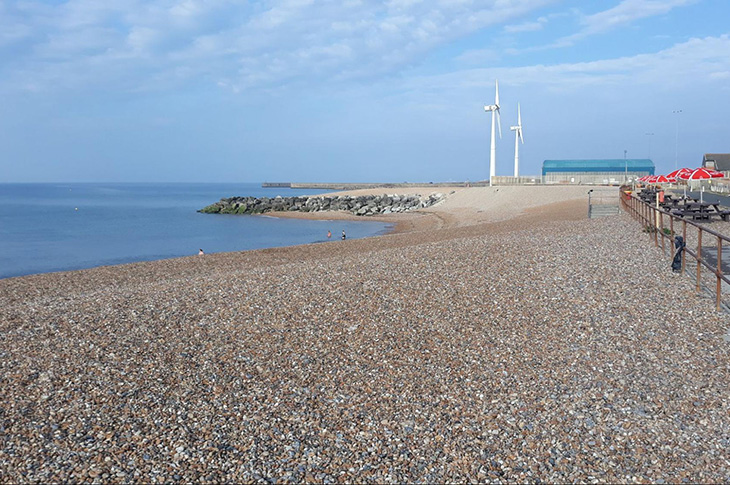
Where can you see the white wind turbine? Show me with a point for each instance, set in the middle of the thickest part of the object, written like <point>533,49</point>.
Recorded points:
<point>518,137</point>
<point>494,108</point>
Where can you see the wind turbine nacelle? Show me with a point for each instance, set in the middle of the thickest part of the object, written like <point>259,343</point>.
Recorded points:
<point>491,107</point>
<point>514,128</point>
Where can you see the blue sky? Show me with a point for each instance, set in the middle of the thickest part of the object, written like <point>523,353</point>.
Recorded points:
<point>348,90</point>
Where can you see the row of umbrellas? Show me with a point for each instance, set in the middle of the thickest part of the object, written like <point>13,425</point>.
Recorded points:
<point>683,174</point>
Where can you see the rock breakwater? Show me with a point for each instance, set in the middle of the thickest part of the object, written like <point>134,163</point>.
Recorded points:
<point>364,205</point>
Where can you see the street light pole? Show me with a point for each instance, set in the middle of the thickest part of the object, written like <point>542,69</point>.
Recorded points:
<point>626,169</point>
<point>676,138</point>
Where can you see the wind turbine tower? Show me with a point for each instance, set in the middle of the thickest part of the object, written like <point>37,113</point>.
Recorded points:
<point>494,108</point>
<point>518,137</point>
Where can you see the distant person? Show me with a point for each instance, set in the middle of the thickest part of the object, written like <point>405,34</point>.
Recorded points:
<point>329,234</point>
<point>200,252</point>
<point>344,236</point>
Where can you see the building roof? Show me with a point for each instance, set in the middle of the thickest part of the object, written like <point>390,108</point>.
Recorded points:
<point>604,165</point>
<point>722,160</point>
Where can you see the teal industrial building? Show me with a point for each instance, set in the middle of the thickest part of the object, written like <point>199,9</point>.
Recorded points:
<point>606,172</point>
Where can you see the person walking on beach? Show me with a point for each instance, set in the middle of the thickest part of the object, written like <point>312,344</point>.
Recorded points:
<point>329,234</point>
<point>343,235</point>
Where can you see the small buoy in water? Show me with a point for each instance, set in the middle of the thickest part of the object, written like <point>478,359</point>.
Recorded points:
<point>76,208</point>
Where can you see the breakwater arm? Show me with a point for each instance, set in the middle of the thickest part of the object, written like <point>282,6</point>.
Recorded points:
<point>364,205</point>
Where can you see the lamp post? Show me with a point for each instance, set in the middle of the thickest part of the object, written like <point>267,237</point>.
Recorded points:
<point>676,138</point>
<point>626,168</point>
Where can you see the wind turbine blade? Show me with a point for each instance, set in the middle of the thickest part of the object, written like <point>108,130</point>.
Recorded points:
<point>499,123</point>
<point>519,116</point>
<point>523,140</point>
<point>496,94</point>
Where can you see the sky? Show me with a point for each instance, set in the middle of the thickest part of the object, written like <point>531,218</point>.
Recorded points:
<point>354,91</point>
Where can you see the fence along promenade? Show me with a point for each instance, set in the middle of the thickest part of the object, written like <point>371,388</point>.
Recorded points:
<point>654,221</point>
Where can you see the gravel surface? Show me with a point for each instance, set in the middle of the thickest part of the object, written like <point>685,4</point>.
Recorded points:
<point>549,347</point>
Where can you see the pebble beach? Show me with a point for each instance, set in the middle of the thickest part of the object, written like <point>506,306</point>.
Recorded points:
<point>496,337</point>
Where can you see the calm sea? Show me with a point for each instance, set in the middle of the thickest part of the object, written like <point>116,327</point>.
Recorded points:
<point>60,227</point>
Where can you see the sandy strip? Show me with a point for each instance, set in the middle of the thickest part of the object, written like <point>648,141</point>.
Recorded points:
<point>541,347</point>
<point>468,206</point>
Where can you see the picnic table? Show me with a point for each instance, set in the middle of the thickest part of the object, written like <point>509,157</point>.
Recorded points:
<point>648,196</point>
<point>668,201</point>
<point>671,202</point>
<point>702,211</point>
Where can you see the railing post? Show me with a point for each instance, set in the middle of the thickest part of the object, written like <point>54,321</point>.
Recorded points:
<point>719,273</point>
<point>661,227</point>
<point>699,255</point>
<point>640,210</point>
<point>648,214</point>
<point>589,203</point>
<point>684,236</point>
<point>649,220</point>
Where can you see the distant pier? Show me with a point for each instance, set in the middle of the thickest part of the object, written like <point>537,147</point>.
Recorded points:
<point>276,184</point>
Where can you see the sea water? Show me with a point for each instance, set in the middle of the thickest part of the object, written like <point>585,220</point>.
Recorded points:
<point>61,227</point>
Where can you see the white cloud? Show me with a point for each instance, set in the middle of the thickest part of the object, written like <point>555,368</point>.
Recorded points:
<point>628,11</point>
<point>624,13</point>
<point>720,75</point>
<point>524,27</point>
<point>697,61</point>
<point>247,46</point>
<point>537,24</point>
<point>141,39</point>
<point>478,56</point>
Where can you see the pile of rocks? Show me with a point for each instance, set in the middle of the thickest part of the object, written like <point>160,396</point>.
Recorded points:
<point>364,205</point>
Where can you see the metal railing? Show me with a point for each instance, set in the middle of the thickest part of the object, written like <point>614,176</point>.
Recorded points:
<point>602,205</point>
<point>521,180</point>
<point>664,226</point>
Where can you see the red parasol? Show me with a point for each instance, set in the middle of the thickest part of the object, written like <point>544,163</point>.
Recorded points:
<point>664,179</point>
<point>678,172</point>
<point>701,174</point>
